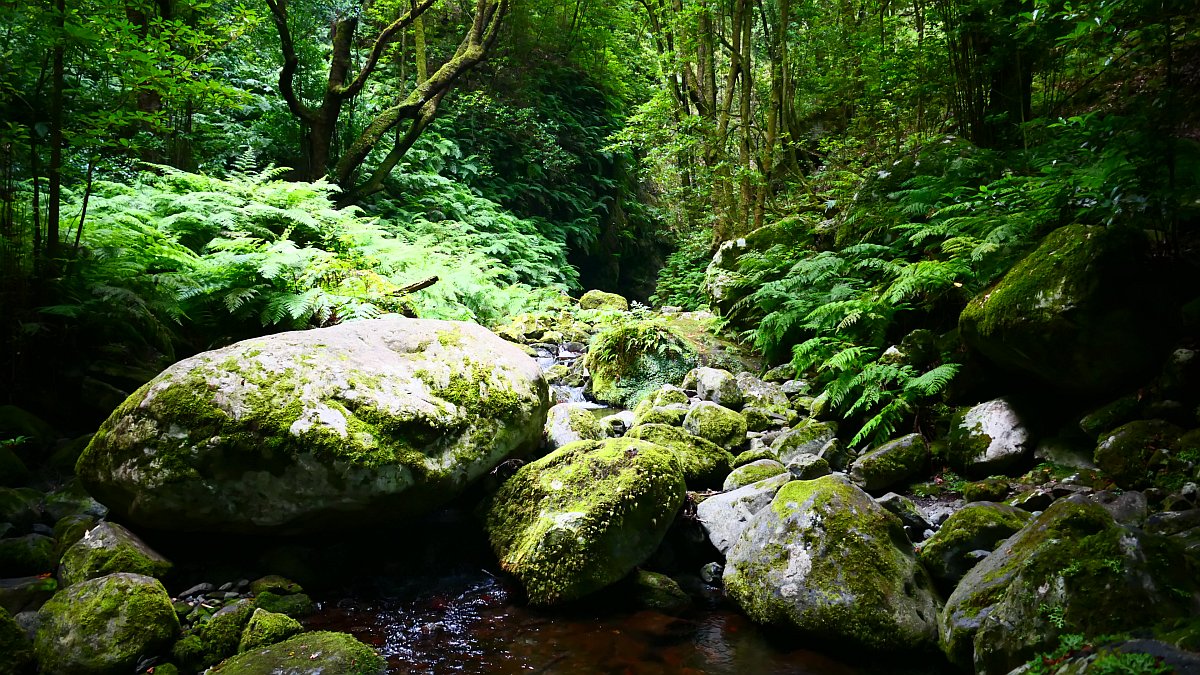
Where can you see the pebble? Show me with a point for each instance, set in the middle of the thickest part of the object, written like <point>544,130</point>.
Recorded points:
<point>227,586</point>
<point>197,589</point>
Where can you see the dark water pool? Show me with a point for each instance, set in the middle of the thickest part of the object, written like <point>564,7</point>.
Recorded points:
<point>468,621</point>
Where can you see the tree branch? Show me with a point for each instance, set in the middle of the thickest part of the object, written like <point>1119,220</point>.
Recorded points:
<point>291,62</point>
<point>381,42</point>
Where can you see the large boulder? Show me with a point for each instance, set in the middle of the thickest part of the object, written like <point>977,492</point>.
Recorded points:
<point>988,438</point>
<point>296,432</point>
<point>631,358</point>
<point>317,653</point>
<point>764,404</point>
<point>105,625</point>
<point>1072,569</point>
<point>584,516</point>
<point>826,560</point>
<point>809,438</point>
<point>27,555</point>
<point>596,299</point>
<point>1069,314</point>
<point>704,464</point>
<point>1133,453</point>
<point>109,548</point>
<point>570,422</point>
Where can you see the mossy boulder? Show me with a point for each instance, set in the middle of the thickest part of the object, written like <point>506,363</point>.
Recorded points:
<point>266,628</point>
<point>26,555</point>
<point>320,429</point>
<point>584,516</point>
<point>766,397</point>
<point>317,653</point>
<point>988,438</point>
<point>809,467</point>
<point>295,605</point>
<point>570,422</point>
<point>986,490</point>
<point>659,592</point>
<point>753,455</point>
<point>1069,314</point>
<point>595,299</point>
<point>716,385</point>
<point>1110,416</point>
<point>951,552</point>
<point>825,560</point>
<point>105,625</point>
<point>107,548</point>
<point>1072,569</point>
<point>16,652</point>
<point>1135,453</point>
<point>631,359</point>
<point>891,464</point>
<point>274,583</point>
<point>212,641</point>
<point>21,507</point>
<point>807,439</point>
<point>716,423</point>
<point>704,464</point>
<point>725,515</point>
<point>24,594</point>
<point>668,405</point>
<point>752,473</point>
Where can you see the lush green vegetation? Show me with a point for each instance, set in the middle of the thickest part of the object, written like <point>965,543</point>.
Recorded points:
<point>901,156</point>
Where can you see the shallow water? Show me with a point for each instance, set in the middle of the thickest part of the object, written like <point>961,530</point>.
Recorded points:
<point>469,621</point>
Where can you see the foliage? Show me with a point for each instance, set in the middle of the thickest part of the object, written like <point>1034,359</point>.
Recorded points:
<point>681,280</point>
<point>1104,660</point>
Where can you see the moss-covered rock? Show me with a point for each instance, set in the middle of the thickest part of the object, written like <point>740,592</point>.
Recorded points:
<point>16,652</point>
<point>13,472</point>
<point>22,507</point>
<point>1135,453</point>
<point>712,422</point>
<point>1072,569</point>
<point>987,438</point>
<point>826,560</point>
<point>980,526</point>
<point>274,583</point>
<point>1068,314</point>
<point>752,455</point>
<point>570,422</point>
<point>809,467</point>
<point>752,473</point>
<point>23,556</point>
<point>295,605</point>
<point>660,592</point>
<point>704,464</point>
<point>317,653</point>
<point>109,548</point>
<point>716,385</point>
<point>212,641</point>
<point>1110,416</point>
<point>105,625</point>
<point>986,490</point>
<point>891,464</point>
<point>806,439</point>
<point>595,299</point>
<point>584,516</point>
<point>767,399</point>
<point>631,359</point>
<point>649,412</point>
<point>318,429</point>
<point>266,628</point>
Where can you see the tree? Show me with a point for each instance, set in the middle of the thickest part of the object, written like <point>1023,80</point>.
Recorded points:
<point>411,112</point>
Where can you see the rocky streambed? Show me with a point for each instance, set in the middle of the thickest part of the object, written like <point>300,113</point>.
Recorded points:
<point>408,492</point>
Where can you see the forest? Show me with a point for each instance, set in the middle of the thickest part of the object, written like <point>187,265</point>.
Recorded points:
<point>659,336</point>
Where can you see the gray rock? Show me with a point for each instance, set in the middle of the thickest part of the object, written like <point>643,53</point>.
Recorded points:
<point>908,513</point>
<point>105,625</point>
<point>717,424</point>
<point>23,594</point>
<point>716,385</point>
<point>108,548</point>
<point>808,467</point>
<point>315,430</point>
<point>1127,508</point>
<point>807,439</point>
<point>767,396</point>
<point>978,526</point>
<point>724,516</point>
<point>570,422</point>
<point>617,424</point>
<point>988,438</point>
<point>753,472</point>
<point>891,464</point>
<point>825,560</point>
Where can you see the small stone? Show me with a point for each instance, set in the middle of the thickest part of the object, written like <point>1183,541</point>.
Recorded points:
<point>225,586</point>
<point>711,573</point>
<point>204,587</point>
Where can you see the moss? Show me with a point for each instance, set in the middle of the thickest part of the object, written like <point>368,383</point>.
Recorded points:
<point>296,605</point>
<point>752,456</point>
<point>752,473</point>
<point>716,423</point>
<point>215,640</point>
<point>891,463</point>
<point>266,628</point>
<point>859,570</point>
<point>981,525</point>
<point>600,300</point>
<point>110,548</point>
<point>583,516</point>
<point>16,652</point>
<point>1135,455</point>
<point>704,464</point>
<point>105,625</point>
<point>276,584</point>
<point>318,652</point>
<point>986,490</point>
<point>1110,416</point>
<point>27,555</point>
<point>658,591</point>
<point>631,359</point>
